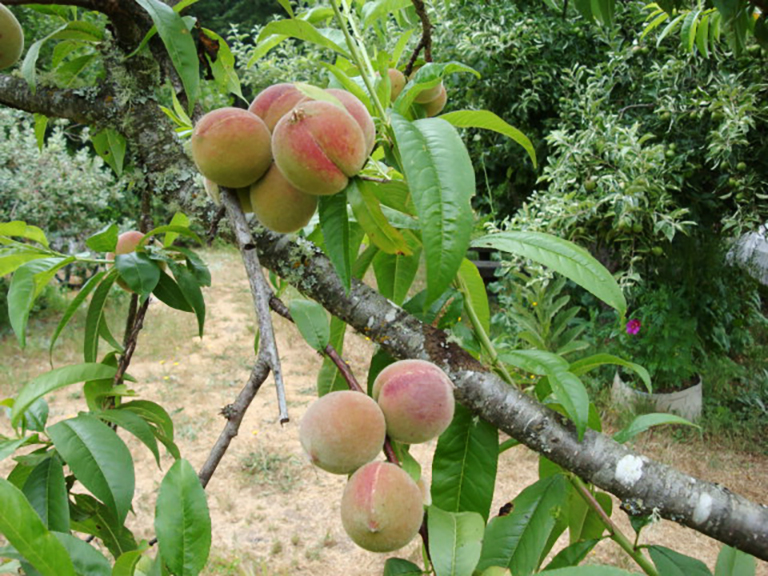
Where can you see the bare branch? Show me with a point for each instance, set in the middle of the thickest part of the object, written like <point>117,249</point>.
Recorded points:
<point>426,37</point>
<point>83,106</point>
<point>644,486</point>
<point>261,293</point>
<point>234,413</point>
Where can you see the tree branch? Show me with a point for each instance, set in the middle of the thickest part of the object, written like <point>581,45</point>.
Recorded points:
<point>261,293</point>
<point>644,486</point>
<point>86,106</point>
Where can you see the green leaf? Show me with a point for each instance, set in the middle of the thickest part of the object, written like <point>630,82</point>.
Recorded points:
<point>169,293</point>
<point>134,424</point>
<point>589,571</point>
<point>17,228</point>
<point>138,271</point>
<point>518,539</point>
<point>196,265</point>
<point>455,541</point>
<point>28,66</point>
<point>26,285</point>
<point>182,221</point>
<point>732,562</point>
<point>173,228</point>
<point>374,10</point>
<point>178,41</point>
<point>572,555</point>
<point>329,378</point>
<point>46,492</point>
<point>189,284</point>
<point>86,559</point>
<point>464,465</point>
<point>91,517</point>
<point>395,272</point>
<point>74,305</point>
<point>489,121</point>
<point>688,30</point>
<point>54,380</point>
<point>105,240</point>
<point>566,386</point>
<point>94,317</point>
<point>8,446</point>
<point>428,76</point>
<point>471,284</point>
<point>348,84</point>
<point>152,413</point>
<point>654,24</point>
<point>671,563</point>
<point>442,181</point>
<point>223,67</point>
<point>24,530</point>
<point>296,29</point>
<point>182,521</point>
<point>669,28</point>
<point>334,223</point>
<point>10,263</point>
<point>584,365</point>
<point>111,146</point>
<point>367,210</point>
<point>99,460</point>
<point>125,565</point>
<point>41,124</point>
<point>312,321</point>
<point>646,421</point>
<point>400,567</point>
<point>562,256</point>
<point>702,35</point>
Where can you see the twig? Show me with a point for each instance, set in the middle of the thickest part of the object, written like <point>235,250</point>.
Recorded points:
<point>613,531</point>
<point>648,105</point>
<point>234,413</point>
<point>426,37</point>
<point>261,293</point>
<point>130,345</point>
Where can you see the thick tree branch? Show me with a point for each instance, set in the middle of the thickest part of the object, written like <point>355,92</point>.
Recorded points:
<point>644,486</point>
<point>83,106</point>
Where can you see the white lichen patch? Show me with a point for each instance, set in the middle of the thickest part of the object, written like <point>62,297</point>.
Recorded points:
<point>629,469</point>
<point>391,315</point>
<point>703,509</point>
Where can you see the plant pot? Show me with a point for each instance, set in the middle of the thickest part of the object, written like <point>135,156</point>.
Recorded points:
<point>686,403</point>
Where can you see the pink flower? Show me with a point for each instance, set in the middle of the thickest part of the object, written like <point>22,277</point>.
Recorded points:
<point>633,326</point>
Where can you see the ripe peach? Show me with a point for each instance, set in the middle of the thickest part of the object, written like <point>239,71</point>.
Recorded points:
<point>231,147</point>
<point>416,398</point>
<point>11,38</point>
<point>342,430</point>
<point>434,107</point>
<point>126,243</point>
<point>318,147</point>
<point>360,113</point>
<point>381,508</point>
<point>397,82</point>
<point>280,206</point>
<point>274,102</point>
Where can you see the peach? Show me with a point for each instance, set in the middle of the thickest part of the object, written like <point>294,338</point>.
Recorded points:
<point>278,205</point>
<point>417,400</point>
<point>381,508</point>
<point>342,430</point>
<point>396,81</point>
<point>360,113</point>
<point>274,102</point>
<point>318,147</point>
<point>434,107</point>
<point>11,38</point>
<point>232,147</point>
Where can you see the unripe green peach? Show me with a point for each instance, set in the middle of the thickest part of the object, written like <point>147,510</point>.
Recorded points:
<point>278,205</point>
<point>342,430</point>
<point>429,94</point>
<point>417,400</point>
<point>434,107</point>
<point>396,81</point>
<point>11,38</point>
<point>381,508</point>
<point>360,113</point>
<point>274,102</point>
<point>232,147</point>
<point>318,147</point>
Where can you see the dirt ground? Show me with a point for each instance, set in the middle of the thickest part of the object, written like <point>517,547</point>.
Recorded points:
<point>272,512</point>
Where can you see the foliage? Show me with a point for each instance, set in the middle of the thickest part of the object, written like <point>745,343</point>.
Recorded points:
<point>413,197</point>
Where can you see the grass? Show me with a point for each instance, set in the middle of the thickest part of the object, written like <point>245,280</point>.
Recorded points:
<point>271,469</point>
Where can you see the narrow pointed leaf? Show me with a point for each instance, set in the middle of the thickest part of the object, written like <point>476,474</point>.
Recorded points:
<point>671,563</point>
<point>189,284</point>
<point>732,562</point>
<point>46,491</point>
<point>54,380</point>
<point>94,317</point>
<point>17,228</point>
<point>472,286</point>
<point>99,459</point>
<point>303,31</point>
<point>312,321</point>
<point>646,421</point>
<point>334,223</point>
<point>182,521</point>
<point>562,256</point>
<point>367,210</point>
<point>24,530</point>
<point>489,121</point>
<point>464,465</point>
<point>442,181</point>
<point>169,293</point>
<point>85,558</point>
<point>584,365</point>
<point>395,272</point>
<point>134,424</point>
<point>455,541</point>
<point>90,516</point>
<point>400,567</point>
